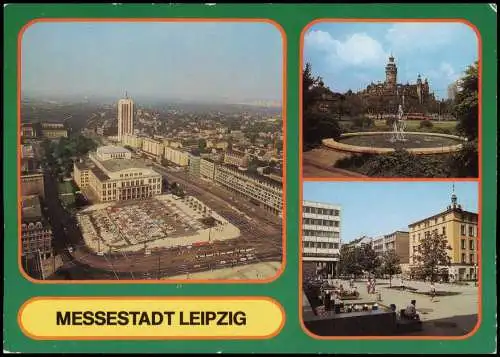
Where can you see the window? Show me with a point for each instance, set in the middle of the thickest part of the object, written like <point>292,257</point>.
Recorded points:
<point>471,245</point>
<point>443,231</point>
<point>463,257</point>
<point>462,229</point>
<point>471,231</point>
<point>471,258</point>
<point>463,243</point>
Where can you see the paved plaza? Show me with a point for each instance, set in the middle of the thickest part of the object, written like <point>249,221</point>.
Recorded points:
<point>453,315</point>
<point>263,270</point>
<point>162,222</point>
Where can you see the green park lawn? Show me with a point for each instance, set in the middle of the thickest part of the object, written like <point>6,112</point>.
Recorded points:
<point>413,125</point>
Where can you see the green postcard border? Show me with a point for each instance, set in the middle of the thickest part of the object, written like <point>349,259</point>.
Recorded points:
<point>293,18</point>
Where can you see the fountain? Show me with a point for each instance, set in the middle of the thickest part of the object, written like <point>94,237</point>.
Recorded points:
<point>398,127</point>
<point>384,142</point>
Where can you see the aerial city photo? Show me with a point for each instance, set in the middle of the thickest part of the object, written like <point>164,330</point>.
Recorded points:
<point>390,100</point>
<point>151,151</point>
<point>404,266</point>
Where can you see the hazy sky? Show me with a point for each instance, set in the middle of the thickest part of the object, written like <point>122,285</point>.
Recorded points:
<point>209,61</point>
<point>351,55</point>
<point>377,208</point>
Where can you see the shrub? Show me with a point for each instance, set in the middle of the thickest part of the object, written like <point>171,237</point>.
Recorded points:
<point>425,124</point>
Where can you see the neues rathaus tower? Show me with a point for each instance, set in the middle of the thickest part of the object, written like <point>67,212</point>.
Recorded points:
<point>416,95</point>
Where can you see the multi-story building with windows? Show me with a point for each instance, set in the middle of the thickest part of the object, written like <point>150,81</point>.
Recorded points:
<point>153,148</point>
<point>134,141</point>
<point>32,184</point>
<point>28,130</point>
<point>321,236</point>
<point>358,242</point>
<point>460,227</point>
<point>54,130</point>
<point>236,158</point>
<point>36,234</point>
<point>207,169</point>
<point>397,241</point>
<point>125,117</point>
<point>194,165</point>
<point>112,175</point>
<point>178,157</point>
<point>260,190</point>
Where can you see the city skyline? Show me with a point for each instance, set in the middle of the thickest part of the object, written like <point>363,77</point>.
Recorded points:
<point>357,199</point>
<point>227,62</point>
<point>352,55</point>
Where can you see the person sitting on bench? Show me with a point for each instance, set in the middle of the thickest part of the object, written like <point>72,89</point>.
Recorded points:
<point>411,311</point>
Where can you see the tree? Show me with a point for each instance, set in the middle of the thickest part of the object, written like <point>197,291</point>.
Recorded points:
<point>432,255</point>
<point>309,94</point>
<point>390,264</point>
<point>466,103</point>
<point>202,144</point>
<point>349,263</point>
<point>465,163</point>
<point>316,125</point>
<point>369,260</point>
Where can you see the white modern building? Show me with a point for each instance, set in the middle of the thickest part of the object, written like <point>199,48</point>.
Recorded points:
<point>112,175</point>
<point>321,235</point>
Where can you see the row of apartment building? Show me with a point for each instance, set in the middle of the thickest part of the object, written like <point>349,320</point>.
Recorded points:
<point>44,129</point>
<point>259,189</point>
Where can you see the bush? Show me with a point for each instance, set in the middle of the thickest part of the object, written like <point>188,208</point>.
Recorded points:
<point>425,124</point>
<point>363,122</point>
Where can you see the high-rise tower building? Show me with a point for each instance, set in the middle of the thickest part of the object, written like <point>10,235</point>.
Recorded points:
<point>125,117</point>
<point>391,74</point>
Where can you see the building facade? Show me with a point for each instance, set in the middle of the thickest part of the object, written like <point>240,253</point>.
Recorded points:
<point>460,227</point>
<point>32,184</point>
<point>134,141</point>
<point>398,241</point>
<point>153,147</point>
<point>125,117</point>
<point>54,130</point>
<point>236,158</point>
<point>111,176</point>
<point>390,87</point>
<point>28,131</point>
<point>321,236</point>
<point>207,169</point>
<point>36,234</point>
<point>178,157</point>
<point>194,165</point>
<point>260,190</point>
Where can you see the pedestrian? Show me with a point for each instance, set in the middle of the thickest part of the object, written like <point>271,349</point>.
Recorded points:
<point>433,291</point>
<point>368,285</point>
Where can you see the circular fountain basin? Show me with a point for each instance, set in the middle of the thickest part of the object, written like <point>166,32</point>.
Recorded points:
<point>382,142</point>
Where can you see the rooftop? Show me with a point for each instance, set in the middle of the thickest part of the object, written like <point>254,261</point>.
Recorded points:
<point>320,205</point>
<point>111,149</point>
<point>448,210</point>
<point>31,208</point>
<point>99,173</point>
<point>261,178</point>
